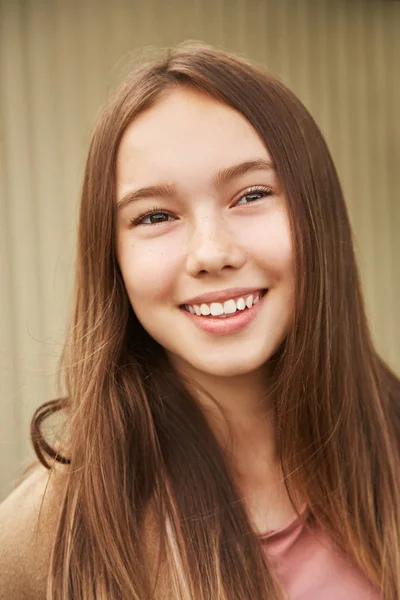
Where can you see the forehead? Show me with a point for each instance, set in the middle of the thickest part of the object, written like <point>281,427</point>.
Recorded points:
<point>186,132</point>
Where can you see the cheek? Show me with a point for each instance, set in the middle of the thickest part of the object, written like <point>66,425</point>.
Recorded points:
<point>148,270</point>
<point>280,258</point>
<point>271,242</point>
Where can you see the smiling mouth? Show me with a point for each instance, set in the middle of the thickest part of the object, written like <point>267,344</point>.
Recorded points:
<point>227,309</point>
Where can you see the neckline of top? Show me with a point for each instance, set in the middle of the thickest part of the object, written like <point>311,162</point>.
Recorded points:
<point>287,527</point>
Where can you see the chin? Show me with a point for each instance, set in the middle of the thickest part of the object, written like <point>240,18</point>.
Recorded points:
<point>227,367</point>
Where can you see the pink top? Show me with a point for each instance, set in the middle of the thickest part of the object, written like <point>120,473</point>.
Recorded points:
<point>309,566</point>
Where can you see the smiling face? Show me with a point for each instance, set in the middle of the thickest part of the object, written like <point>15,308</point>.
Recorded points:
<point>219,223</point>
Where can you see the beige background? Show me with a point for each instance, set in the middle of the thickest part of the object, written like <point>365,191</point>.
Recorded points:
<point>58,61</point>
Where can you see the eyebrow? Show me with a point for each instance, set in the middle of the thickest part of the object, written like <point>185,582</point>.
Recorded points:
<point>223,177</point>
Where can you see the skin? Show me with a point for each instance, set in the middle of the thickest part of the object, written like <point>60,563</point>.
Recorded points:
<point>214,237</point>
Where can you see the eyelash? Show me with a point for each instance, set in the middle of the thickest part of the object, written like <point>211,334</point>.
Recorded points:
<point>138,221</point>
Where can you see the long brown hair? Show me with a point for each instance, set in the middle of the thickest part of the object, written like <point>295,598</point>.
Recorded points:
<point>137,437</point>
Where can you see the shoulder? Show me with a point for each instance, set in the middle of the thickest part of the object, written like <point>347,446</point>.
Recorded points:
<point>28,524</point>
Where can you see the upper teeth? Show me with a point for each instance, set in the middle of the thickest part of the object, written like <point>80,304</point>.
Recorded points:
<point>228,308</point>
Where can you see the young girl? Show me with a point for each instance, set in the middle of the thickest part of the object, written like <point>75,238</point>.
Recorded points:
<point>231,432</point>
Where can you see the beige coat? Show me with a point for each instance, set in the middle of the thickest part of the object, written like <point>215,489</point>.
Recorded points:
<point>26,540</point>
<point>25,547</point>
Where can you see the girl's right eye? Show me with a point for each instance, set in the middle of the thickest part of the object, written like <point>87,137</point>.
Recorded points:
<point>155,211</point>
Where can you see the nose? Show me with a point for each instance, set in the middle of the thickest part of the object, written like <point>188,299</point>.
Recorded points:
<point>213,247</point>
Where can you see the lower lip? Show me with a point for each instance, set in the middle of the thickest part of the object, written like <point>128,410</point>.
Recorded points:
<point>224,326</point>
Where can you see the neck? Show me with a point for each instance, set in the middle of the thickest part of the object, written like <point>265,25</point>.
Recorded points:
<point>238,409</point>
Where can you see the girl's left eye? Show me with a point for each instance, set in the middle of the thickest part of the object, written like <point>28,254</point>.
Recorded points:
<point>256,193</point>
<point>252,194</point>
